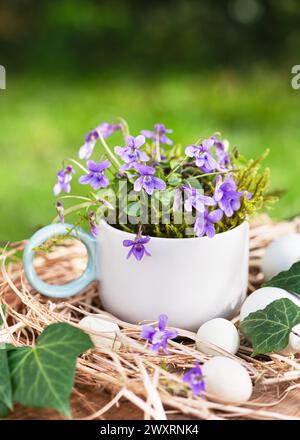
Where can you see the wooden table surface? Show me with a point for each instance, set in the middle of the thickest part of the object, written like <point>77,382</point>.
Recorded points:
<point>87,400</point>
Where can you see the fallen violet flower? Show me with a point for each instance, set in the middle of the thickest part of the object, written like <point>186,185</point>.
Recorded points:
<point>158,133</point>
<point>64,178</point>
<point>105,129</point>
<point>93,225</point>
<point>96,177</point>
<point>203,158</point>
<point>159,336</point>
<point>194,378</point>
<point>137,247</point>
<point>147,180</point>
<point>204,224</point>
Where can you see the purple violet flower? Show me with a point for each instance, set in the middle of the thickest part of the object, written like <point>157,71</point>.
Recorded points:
<point>159,132</point>
<point>107,129</point>
<point>93,225</point>
<point>159,336</point>
<point>204,159</point>
<point>60,211</point>
<point>91,138</point>
<point>227,195</point>
<point>131,152</point>
<point>64,178</point>
<point>126,167</point>
<point>137,247</point>
<point>194,378</point>
<point>204,224</point>
<point>196,200</point>
<point>147,180</point>
<point>96,177</point>
<point>87,148</point>
<point>221,152</point>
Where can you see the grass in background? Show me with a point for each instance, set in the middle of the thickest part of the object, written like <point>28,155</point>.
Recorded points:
<point>44,121</point>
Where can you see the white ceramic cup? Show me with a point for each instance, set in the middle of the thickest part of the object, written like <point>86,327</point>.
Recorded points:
<point>191,280</point>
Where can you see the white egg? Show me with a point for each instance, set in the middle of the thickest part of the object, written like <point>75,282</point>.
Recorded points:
<point>260,298</point>
<point>220,332</point>
<point>227,380</point>
<point>93,324</point>
<point>280,255</point>
<point>295,339</point>
<point>294,342</point>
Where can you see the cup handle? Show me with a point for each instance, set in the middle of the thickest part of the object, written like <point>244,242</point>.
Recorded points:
<point>69,289</point>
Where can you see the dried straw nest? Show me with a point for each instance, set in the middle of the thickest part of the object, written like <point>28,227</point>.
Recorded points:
<point>151,383</point>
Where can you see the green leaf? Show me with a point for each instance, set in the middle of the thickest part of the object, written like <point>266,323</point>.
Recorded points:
<point>43,376</point>
<point>4,410</point>
<point>5,384</point>
<point>288,280</point>
<point>174,179</point>
<point>159,172</point>
<point>174,163</point>
<point>133,209</point>
<point>269,329</point>
<point>165,197</point>
<point>194,182</point>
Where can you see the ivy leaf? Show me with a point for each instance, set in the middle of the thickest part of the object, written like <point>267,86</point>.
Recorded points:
<point>5,383</point>
<point>288,279</point>
<point>269,329</point>
<point>43,376</point>
<point>4,410</point>
<point>6,402</point>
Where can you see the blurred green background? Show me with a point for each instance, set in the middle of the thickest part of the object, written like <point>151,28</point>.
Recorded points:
<point>197,66</point>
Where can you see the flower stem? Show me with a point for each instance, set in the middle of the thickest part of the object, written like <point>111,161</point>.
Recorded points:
<point>215,173</point>
<point>126,228</point>
<point>76,197</point>
<point>177,166</point>
<point>77,163</point>
<point>124,126</point>
<point>108,151</point>
<point>157,147</point>
<point>74,208</point>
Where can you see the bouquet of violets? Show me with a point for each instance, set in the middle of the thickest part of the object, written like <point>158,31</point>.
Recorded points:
<point>149,186</point>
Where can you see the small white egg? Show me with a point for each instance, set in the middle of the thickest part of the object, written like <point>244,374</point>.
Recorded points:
<point>294,342</point>
<point>280,255</point>
<point>220,332</point>
<point>95,324</point>
<point>227,380</point>
<point>295,339</point>
<point>264,296</point>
